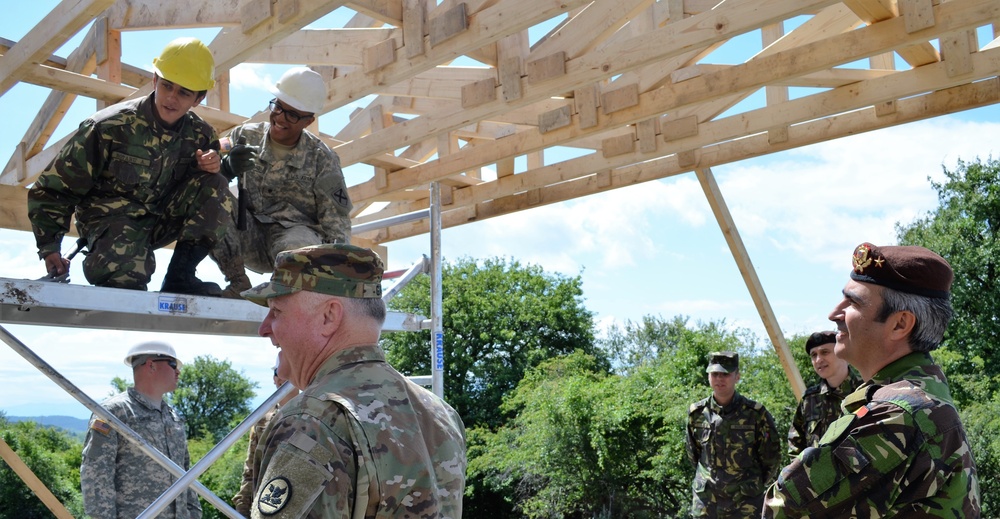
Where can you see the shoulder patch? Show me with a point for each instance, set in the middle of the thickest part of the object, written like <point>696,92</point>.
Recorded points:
<point>274,495</point>
<point>101,427</point>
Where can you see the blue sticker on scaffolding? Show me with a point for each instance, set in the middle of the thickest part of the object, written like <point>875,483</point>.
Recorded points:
<point>439,351</point>
<point>174,305</point>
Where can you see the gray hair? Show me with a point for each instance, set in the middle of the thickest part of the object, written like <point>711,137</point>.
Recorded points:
<point>932,316</point>
<point>371,307</point>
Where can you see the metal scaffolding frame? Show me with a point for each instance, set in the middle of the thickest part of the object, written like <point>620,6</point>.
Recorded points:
<point>47,303</point>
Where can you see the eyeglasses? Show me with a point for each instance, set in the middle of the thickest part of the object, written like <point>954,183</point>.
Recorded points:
<point>170,362</point>
<point>290,116</point>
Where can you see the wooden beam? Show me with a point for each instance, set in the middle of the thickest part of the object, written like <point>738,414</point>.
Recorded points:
<point>59,25</point>
<point>732,235</point>
<point>31,480</point>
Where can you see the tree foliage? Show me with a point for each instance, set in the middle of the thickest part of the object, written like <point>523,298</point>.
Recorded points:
<point>500,318</point>
<point>54,456</point>
<point>211,395</point>
<point>586,443</point>
<point>965,230</point>
<point>225,475</point>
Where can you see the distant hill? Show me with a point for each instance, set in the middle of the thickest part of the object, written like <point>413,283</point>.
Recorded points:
<point>69,423</point>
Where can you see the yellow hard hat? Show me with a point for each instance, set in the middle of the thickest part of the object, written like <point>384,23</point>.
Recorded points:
<point>188,63</point>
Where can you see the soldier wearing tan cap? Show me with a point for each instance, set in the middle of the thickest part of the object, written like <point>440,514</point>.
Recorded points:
<point>902,450</point>
<point>361,440</point>
<point>732,443</point>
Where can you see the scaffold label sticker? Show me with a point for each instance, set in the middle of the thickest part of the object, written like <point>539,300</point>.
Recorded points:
<point>174,305</point>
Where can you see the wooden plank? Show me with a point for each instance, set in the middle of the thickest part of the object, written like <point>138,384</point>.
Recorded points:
<point>58,26</point>
<point>452,22</point>
<point>586,102</point>
<point>505,167</point>
<point>509,70</point>
<point>620,99</point>
<point>687,158</point>
<point>479,92</point>
<point>917,14</point>
<point>646,133</point>
<point>956,49</point>
<point>884,109</point>
<point>287,10</point>
<point>325,47</point>
<point>414,16</point>
<point>554,119</point>
<point>679,128</point>
<point>749,273</point>
<point>544,69</point>
<point>385,11</point>
<point>619,145</point>
<point>777,135</point>
<point>108,55</point>
<point>253,13</point>
<point>589,28</point>
<point>20,157</point>
<point>603,179</point>
<point>379,55</point>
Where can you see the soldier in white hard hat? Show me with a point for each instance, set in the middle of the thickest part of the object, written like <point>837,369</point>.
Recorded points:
<point>292,190</point>
<point>119,480</point>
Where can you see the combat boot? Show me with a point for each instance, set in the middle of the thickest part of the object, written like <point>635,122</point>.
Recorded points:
<point>236,275</point>
<point>180,278</point>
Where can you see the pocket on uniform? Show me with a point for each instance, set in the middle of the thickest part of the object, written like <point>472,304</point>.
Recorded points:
<point>743,433</point>
<point>128,170</point>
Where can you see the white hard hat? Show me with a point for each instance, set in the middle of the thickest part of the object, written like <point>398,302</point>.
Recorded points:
<point>302,88</point>
<point>160,349</point>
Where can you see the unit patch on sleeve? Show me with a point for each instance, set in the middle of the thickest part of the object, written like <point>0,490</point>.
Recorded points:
<point>274,495</point>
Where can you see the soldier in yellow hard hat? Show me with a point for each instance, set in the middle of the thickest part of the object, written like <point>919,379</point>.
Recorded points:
<point>139,175</point>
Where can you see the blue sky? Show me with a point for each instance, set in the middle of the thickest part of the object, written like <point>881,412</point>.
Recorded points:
<point>652,249</point>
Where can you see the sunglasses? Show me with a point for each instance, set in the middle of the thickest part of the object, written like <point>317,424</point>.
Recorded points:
<point>170,362</point>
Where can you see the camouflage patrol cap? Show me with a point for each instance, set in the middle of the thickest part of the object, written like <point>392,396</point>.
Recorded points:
<point>910,269</point>
<point>723,362</point>
<point>335,269</point>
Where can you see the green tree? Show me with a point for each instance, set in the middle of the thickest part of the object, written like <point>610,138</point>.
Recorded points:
<point>54,456</point>
<point>500,318</point>
<point>585,443</point>
<point>965,230</point>
<point>210,395</point>
<point>225,475</point>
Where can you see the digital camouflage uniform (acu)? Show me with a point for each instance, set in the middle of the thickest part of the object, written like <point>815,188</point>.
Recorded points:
<point>118,480</point>
<point>296,200</point>
<point>901,452</point>
<point>821,405</point>
<point>134,187</point>
<point>736,452</point>
<point>361,441</point>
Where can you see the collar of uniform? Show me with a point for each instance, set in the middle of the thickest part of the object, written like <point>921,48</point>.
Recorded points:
<point>144,400</point>
<point>737,398</point>
<point>898,368</point>
<point>858,398</point>
<point>349,356</point>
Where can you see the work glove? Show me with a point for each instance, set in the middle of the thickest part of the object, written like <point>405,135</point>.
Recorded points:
<point>239,160</point>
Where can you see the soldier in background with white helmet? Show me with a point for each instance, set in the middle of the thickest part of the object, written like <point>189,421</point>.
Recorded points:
<point>295,190</point>
<point>119,480</point>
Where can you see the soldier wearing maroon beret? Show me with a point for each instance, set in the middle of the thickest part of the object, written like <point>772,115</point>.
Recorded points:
<point>901,451</point>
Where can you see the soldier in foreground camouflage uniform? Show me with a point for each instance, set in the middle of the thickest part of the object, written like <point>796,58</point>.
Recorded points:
<point>361,440</point>
<point>733,445</point>
<point>139,175</point>
<point>244,498</point>
<point>821,403</point>
<point>902,450</point>
<point>118,480</point>
<point>294,190</point>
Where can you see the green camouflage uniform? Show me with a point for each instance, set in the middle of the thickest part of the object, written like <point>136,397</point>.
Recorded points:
<point>295,201</point>
<point>118,480</point>
<point>134,188</point>
<point>736,451</point>
<point>821,405</point>
<point>901,452</point>
<point>361,441</point>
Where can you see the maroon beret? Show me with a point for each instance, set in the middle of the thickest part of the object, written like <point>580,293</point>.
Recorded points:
<point>910,269</point>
